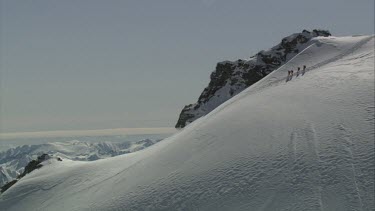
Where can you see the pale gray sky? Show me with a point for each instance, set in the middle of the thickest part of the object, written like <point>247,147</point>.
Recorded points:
<point>96,64</point>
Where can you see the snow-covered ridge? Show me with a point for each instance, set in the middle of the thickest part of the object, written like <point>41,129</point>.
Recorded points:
<point>13,161</point>
<point>305,144</point>
<point>231,77</point>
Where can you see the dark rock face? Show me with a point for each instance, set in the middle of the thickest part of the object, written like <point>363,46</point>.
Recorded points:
<point>231,77</point>
<point>8,185</point>
<point>34,164</point>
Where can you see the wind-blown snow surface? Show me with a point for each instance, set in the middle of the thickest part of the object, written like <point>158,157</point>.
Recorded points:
<point>306,144</point>
<point>14,160</point>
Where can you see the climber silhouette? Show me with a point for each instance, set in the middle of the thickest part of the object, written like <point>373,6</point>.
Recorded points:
<point>304,69</point>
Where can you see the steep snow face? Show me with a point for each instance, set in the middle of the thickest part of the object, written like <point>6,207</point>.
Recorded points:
<point>14,160</point>
<point>230,78</point>
<point>305,144</point>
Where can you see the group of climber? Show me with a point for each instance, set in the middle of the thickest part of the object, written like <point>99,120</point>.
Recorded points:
<point>291,72</point>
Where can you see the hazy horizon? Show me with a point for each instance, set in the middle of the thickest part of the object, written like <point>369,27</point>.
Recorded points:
<point>79,133</point>
<point>87,65</point>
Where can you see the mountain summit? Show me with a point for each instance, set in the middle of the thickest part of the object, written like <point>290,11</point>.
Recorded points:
<point>231,77</point>
<point>306,143</point>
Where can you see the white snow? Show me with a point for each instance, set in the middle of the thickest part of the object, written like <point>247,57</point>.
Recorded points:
<point>306,144</point>
<point>238,79</point>
<point>14,160</point>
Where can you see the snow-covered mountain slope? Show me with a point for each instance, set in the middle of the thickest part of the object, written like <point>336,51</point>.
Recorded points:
<point>231,77</point>
<point>305,144</point>
<point>14,160</point>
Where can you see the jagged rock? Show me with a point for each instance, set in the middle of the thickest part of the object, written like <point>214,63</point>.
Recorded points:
<point>31,166</point>
<point>231,77</point>
<point>34,164</point>
<point>14,160</point>
<point>7,186</point>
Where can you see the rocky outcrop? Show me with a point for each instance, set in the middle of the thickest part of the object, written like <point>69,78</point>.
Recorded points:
<point>34,164</point>
<point>14,160</point>
<point>231,77</point>
<point>8,185</point>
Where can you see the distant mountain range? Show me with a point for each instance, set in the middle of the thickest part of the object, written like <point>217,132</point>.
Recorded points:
<point>14,160</point>
<point>288,142</point>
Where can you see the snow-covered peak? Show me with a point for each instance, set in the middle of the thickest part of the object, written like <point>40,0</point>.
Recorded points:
<point>231,77</point>
<point>300,144</point>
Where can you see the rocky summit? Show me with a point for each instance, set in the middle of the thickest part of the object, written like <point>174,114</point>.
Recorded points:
<point>231,77</point>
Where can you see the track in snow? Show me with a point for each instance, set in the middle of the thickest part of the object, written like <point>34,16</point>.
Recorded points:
<point>305,145</point>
